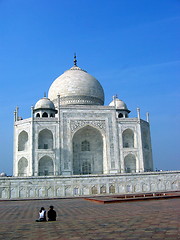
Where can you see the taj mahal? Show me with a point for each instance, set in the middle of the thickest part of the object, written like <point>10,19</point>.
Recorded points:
<point>74,145</point>
<point>72,133</point>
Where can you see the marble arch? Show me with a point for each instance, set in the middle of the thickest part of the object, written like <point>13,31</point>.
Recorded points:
<point>87,159</point>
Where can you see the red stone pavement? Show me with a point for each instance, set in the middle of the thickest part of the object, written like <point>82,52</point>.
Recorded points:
<point>82,219</point>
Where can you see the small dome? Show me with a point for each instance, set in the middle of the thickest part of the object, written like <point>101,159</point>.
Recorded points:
<point>3,174</point>
<point>119,104</point>
<point>76,86</point>
<point>44,103</point>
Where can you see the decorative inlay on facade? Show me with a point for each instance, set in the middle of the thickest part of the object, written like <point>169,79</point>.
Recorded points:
<point>76,124</point>
<point>129,151</point>
<point>51,155</point>
<point>125,127</point>
<point>81,100</point>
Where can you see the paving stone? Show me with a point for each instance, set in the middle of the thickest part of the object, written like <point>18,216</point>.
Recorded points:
<point>79,219</point>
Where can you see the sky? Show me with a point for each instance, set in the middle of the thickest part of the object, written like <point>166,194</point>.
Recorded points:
<point>130,46</point>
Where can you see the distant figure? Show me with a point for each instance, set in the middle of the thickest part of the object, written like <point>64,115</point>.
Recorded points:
<point>51,214</point>
<point>42,215</point>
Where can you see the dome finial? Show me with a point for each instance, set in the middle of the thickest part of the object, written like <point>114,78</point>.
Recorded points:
<point>115,97</point>
<point>75,61</point>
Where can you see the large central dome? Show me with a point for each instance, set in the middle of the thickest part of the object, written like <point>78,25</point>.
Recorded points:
<point>76,87</point>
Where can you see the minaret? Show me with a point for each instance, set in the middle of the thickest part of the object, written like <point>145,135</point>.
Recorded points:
<point>147,117</point>
<point>138,113</point>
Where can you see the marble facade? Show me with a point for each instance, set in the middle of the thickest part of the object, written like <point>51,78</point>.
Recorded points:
<point>87,185</point>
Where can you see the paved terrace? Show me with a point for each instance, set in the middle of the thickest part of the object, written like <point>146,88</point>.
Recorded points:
<point>79,219</point>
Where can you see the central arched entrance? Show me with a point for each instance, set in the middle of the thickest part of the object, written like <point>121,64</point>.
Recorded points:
<point>87,151</point>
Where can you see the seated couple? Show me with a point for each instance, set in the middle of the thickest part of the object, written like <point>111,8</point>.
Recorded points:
<point>51,214</point>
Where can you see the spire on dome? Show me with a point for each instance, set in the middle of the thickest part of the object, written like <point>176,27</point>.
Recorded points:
<point>115,97</point>
<point>75,60</point>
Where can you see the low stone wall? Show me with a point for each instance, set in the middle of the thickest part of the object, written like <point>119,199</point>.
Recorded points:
<point>86,185</point>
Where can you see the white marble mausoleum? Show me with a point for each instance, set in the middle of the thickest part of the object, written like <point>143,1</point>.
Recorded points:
<point>71,132</point>
<point>73,145</point>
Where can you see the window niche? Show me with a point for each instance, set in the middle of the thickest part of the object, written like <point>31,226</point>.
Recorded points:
<point>85,146</point>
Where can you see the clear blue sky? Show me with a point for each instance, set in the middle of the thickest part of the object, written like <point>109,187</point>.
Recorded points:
<point>130,46</point>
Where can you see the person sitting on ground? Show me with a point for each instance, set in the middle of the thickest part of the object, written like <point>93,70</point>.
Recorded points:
<point>42,215</point>
<point>51,214</point>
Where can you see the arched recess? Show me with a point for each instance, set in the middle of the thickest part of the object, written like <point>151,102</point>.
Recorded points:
<point>112,189</point>
<point>130,163</point>
<point>120,115</point>
<point>44,114</point>
<point>23,141</point>
<point>94,190</point>
<point>23,167</point>
<point>128,138</point>
<point>45,166</point>
<point>45,139</point>
<point>87,151</point>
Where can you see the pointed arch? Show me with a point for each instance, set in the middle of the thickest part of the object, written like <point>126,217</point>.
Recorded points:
<point>112,189</point>
<point>45,139</point>
<point>103,189</point>
<point>87,151</point>
<point>128,138</point>
<point>23,167</point>
<point>45,114</point>
<point>23,141</point>
<point>120,115</point>
<point>45,166</point>
<point>130,163</point>
<point>94,190</point>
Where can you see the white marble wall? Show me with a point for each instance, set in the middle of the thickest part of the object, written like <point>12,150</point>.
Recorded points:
<point>72,119</point>
<point>87,185</point>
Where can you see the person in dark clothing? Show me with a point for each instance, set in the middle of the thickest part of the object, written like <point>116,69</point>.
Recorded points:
<point>51,214</point>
